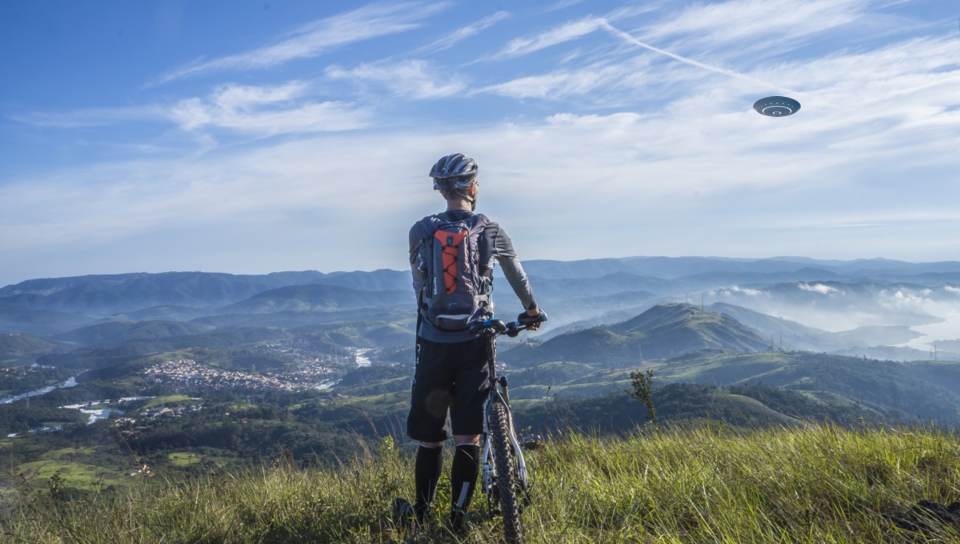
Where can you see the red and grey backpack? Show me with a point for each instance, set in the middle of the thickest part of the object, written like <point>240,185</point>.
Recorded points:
<point>456,291</point>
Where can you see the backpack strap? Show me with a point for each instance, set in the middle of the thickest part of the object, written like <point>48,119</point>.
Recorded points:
<point>484,250</point>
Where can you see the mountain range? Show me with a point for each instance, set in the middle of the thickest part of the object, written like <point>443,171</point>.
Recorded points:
<point>870,307</point>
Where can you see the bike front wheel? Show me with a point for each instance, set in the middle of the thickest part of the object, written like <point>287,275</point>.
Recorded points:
<point>507,481</point>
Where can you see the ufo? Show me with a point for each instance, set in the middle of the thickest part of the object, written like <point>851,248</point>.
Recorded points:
<point>776,106</point>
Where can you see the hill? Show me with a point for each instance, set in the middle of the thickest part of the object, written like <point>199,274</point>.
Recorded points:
<point>918,391</point>
<point>115,333</point>
<point>16,345</point>
<point>118,292</point>
<point>817,484</point>
<point>38,322</point>
<point>317,298</point>
<point>663,331</point>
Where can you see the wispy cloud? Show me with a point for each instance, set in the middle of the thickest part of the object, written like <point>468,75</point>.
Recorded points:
<point>555,36</point>
<point>737,21</point>
<point>686,60</point>
<point>568,31</point>
<point>449,40</point>
<point>315,38</point>
<point>266,111</point>
<point>562,84</point>
<point>601,78</point>
<point>416,79</point>
<point>561,5</point>
<point>247,109</point>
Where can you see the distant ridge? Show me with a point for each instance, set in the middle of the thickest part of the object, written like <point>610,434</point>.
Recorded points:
<point>104,295</point>
<point>311,298</point>
<point>574,290</point>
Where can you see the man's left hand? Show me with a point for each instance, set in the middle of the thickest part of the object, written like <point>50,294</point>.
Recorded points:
<point>533,312</point>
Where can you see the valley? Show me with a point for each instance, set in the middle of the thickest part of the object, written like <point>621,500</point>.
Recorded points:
<point>171,375</point>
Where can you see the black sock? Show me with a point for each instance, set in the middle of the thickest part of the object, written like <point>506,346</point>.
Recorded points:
<point>427,474</point>
<point>463,475</point>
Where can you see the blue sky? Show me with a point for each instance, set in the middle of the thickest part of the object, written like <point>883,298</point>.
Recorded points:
<point>259,136</point>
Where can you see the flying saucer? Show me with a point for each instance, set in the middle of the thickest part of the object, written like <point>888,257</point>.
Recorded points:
<point>776,106</point>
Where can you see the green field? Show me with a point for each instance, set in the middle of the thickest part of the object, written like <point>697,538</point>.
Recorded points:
<point>167,399</point>
<point>183,458</point>
<point>74,475</point>
<point>708,484</point>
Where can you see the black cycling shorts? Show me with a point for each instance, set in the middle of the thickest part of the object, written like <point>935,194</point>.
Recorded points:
<point>450,376</point>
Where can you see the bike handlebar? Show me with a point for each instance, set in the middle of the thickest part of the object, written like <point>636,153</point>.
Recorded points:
<point>497,327</point>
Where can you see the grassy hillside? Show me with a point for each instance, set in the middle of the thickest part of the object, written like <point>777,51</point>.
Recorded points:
<point>902,391</point>
<point>813,485</point>
<point>680,403</point>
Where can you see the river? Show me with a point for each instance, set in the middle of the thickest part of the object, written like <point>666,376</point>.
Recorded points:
<point>71,382</point>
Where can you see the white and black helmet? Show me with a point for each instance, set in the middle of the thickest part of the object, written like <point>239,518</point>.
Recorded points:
<point>454,172</point>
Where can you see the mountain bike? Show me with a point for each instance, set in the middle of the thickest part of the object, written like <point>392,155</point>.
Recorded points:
<point>505,478</point>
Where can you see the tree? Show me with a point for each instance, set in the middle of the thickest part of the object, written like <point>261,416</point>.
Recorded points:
<point>642,381</point>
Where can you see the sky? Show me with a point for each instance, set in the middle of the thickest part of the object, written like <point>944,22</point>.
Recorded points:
<point>242,136</point>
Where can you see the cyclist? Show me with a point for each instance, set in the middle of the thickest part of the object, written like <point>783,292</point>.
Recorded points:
<point>452,257</point>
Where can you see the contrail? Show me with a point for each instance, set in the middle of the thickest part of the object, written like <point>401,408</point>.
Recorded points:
<point>716,69</point>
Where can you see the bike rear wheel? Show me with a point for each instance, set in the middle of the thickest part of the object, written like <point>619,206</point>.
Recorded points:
<point>506,472</point>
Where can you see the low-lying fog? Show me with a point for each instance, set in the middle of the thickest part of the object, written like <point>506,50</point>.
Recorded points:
<point>932,312</point>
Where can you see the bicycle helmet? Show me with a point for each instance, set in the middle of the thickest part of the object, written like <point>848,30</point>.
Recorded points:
<point>454,172</point>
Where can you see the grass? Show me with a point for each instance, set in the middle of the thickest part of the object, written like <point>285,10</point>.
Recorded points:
<point>183,458</point>
<point>66,453</point>
<point>167,399</point>
<point>74,475</point>
<point>698,485</point>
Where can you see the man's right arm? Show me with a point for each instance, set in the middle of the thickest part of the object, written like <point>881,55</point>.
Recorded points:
<point>510,263</point>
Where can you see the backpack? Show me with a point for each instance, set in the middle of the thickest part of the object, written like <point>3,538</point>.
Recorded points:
<point>457,286</point>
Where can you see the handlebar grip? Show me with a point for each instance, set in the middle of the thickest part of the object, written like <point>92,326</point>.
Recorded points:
<point>525,319</point>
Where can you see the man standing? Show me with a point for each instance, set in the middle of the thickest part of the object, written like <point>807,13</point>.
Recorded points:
<point>452,256</point>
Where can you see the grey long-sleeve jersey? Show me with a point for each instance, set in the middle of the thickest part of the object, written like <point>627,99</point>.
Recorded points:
<point>501,248</point>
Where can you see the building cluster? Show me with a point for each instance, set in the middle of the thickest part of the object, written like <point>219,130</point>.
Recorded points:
<point>191,374</point>
<point>130,426</point>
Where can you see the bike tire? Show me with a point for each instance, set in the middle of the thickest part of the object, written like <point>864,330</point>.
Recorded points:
<point>506,474</point>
